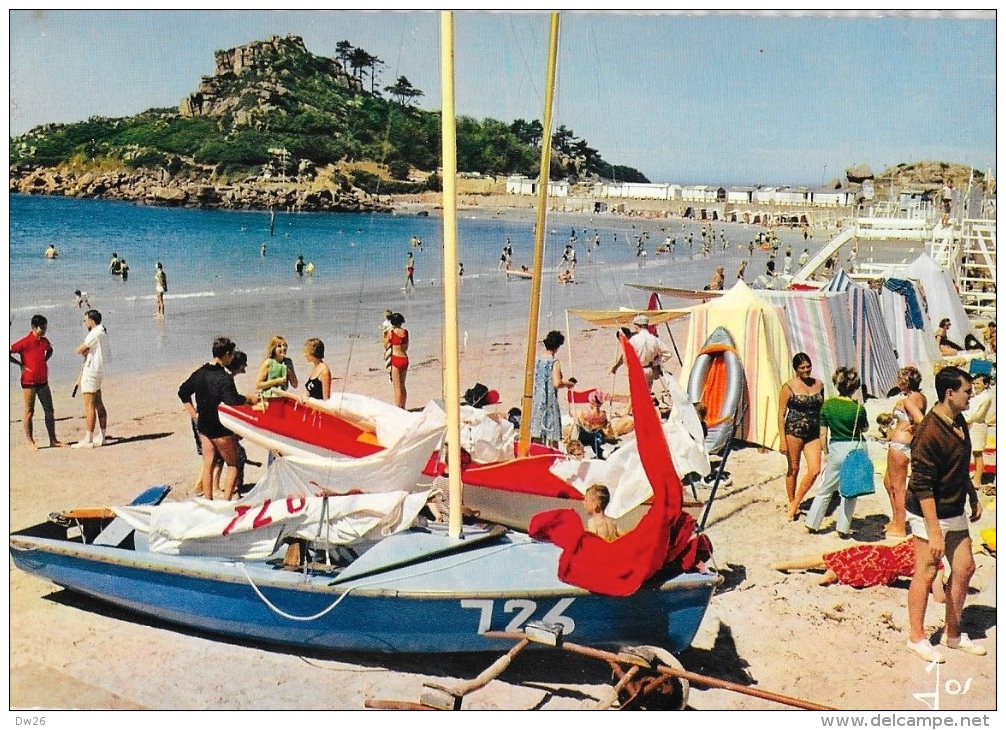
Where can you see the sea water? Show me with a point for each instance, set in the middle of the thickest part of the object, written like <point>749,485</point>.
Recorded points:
<point>220,282</point>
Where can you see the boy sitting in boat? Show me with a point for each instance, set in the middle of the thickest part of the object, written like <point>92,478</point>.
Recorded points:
<point>595,501</point>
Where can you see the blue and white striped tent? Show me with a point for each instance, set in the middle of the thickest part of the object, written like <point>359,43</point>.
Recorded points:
<point>875,355</point>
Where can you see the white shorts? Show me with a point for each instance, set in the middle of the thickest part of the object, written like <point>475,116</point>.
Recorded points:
<point>950,524</point>
<point>160,289</point>
<point>90,382</point>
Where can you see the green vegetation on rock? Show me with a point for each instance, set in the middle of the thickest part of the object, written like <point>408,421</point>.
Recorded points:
<point>274,111</point>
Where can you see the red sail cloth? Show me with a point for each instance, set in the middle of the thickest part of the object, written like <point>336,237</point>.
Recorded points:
<point>652,305</point>
<point>664,534</point>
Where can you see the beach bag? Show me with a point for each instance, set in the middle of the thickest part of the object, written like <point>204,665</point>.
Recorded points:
<point>855,476</point>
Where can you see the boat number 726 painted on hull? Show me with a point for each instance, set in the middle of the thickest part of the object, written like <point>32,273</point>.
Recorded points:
<point>524,609</point>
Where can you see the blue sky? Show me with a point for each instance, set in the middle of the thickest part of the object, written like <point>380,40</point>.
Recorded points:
<point>716,98</point>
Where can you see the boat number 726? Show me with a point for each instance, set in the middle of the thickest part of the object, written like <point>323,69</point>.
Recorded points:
<point>524,611</point>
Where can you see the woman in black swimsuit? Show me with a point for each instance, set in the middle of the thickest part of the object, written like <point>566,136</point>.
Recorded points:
<point>800,429</point>
<point>319,382</point>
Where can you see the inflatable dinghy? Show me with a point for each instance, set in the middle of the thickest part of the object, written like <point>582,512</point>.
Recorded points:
<point>717,381</point>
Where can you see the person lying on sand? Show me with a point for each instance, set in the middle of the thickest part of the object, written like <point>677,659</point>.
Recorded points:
<point>862,566</point>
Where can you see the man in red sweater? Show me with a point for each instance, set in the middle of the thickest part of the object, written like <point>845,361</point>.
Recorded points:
<point>31,353</point>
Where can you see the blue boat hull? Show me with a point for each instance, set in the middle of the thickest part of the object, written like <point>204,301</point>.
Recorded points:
<point>444,604</point>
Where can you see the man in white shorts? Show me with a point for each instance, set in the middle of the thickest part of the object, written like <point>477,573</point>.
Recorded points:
<point>939,486</point>
<point>97,355</point>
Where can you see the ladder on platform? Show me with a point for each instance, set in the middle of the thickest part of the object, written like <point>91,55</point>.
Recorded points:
<point>972,263</point>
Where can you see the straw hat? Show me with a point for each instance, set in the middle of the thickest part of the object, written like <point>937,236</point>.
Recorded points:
<point>641,320</point>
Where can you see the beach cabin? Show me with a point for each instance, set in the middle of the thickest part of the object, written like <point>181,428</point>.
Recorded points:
<point>809,317</point>
<point>832,198</point>
<point>737,195</point>
<point>638,191</point>
<point>646,191</point>
<point>792,196</point>
<point>605,190</point>
<point>764,195</point>
<point>558,189</point>
<point>520,185</point>
<point>698,193</point>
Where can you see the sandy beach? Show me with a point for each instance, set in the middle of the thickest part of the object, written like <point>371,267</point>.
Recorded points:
<point>837,645</point>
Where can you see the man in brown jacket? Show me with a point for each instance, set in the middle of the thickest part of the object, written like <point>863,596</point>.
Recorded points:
<point>938,490</point>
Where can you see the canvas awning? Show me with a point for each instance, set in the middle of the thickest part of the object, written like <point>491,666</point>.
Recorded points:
<point>703,295</point>
<point>624,317</point>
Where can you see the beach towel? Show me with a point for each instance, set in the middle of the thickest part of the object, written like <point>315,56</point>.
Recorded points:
<point>664,535</point>
<point>913,312</point>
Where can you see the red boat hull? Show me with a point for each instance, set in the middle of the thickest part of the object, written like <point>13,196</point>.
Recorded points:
<point>287,420</point>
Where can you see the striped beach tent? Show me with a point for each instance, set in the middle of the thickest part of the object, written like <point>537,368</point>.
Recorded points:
<point>875,354</point>
<point>759,333</point>
<point>907,321</point>
<point>815,325</point>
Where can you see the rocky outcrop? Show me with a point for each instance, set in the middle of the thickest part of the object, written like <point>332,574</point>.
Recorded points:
<point>858,173</point>
<point>139,188</point>
<point>261,88</point>
<point>930,173</point>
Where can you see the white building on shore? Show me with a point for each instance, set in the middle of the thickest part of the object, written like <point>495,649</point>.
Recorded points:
<point>641,191</point>
<point>737,195</point>
<point>698,193</point>
<point>832,198</point>
<point>520,185</point>
<point>742,195</point>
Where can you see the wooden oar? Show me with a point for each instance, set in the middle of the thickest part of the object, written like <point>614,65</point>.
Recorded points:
<point>670,671</point>
<point>93,513</point>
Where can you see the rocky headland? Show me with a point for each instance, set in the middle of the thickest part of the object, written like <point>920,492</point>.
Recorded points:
<point>146,188</point>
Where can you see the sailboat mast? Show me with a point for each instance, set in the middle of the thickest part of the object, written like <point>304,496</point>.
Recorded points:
<point>452,359</point>
<point>539,240</point>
